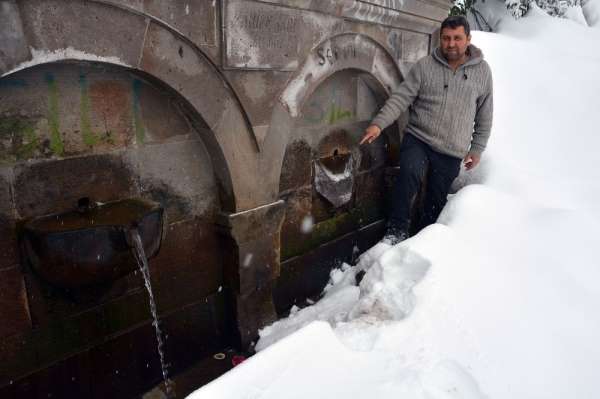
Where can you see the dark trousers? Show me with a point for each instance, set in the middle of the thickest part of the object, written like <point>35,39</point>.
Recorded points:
<point>417,159</point>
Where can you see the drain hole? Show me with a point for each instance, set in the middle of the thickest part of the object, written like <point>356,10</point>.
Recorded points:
<point>83,202</point>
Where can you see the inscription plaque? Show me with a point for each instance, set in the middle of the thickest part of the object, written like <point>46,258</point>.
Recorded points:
<point>261,36</point>
<point>394,4</point>
<point>414,46</point>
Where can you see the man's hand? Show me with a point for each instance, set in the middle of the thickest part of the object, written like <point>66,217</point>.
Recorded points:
<point>471,161</point>
<point>371,133</point>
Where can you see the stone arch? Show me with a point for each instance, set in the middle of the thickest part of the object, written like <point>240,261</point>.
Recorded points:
<point>331,186</point>
<point>121,136</point>
<point>102,32</point>
<point>344,51</point>
<point>338,53</point>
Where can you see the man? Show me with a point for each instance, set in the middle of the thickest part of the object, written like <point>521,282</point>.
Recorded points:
<point>449,98</point>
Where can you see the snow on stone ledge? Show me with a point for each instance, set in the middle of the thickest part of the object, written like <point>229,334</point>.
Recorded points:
<point>69,53</point>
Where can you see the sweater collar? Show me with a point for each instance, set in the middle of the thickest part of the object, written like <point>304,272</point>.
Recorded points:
<point>474,56</point>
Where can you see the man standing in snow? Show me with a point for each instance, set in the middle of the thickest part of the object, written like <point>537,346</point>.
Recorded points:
<point>449,98</point>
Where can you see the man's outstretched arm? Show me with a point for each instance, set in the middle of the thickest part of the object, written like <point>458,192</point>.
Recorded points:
<point>402,97</point>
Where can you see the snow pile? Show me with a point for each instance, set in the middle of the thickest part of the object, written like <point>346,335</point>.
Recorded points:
<point>315,364</point>
<point>499,298</point>
<point>386,290</point>
<point>591,11</point>
<point>575,13</point>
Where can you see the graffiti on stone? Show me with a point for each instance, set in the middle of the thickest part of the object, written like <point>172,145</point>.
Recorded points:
<point>18,138</point>
<point>333,102</point>
<point>56,142</point>
<point>90,138</point>
<point>332,54</point>
<point>347,51</point>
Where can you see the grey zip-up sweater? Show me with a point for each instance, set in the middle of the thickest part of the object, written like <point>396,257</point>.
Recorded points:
<point>449,110</point>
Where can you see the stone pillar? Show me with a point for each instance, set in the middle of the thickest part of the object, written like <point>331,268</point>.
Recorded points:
<point>251,245</point>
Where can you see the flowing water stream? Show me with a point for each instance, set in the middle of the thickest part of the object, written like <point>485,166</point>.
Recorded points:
<point>140,256</point>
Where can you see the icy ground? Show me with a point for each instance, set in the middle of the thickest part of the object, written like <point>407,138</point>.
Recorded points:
<point>500,298</point>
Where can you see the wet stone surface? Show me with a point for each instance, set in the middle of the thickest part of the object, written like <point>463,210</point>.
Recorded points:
<point>296,170</point>
<point>51,186</point>
<point>13,302</point>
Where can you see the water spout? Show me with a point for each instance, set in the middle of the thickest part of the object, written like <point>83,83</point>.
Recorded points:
<point>85,205</point>
<point>142,261</point>
<point>90,245</point>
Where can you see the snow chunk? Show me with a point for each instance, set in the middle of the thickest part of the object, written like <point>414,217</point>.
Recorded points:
<point>332,309</point>
<point>386,289</point>
<point>308,223</point>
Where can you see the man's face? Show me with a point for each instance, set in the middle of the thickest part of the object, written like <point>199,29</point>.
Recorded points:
<point>454,43</point>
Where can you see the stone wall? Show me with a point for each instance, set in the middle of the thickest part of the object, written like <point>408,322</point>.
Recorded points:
<point>72,130</point>
<point>241,118</point>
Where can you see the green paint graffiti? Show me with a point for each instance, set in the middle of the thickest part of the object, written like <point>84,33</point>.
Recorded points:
<point>56,143</point>
<point>137,113</point>
<point>29,145</point>
<point>316,113</point>
<point>89,137</point>
<point>18,139</point>
<point>336,114</point>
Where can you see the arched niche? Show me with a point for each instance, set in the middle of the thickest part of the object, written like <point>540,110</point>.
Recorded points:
<point>81,129</point>
<point>113,33</point>
<point>72,110</point>
<point>332,187</point>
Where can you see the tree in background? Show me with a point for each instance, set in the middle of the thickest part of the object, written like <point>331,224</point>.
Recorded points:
<point>518,8</point>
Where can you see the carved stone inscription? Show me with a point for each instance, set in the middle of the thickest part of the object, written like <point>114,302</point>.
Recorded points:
<point>407,46</point>
<point>261,36</point>
<point>414,46</point>
<point>395,4</point>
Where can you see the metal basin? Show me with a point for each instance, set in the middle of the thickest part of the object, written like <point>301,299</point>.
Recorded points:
<point>90,245</point>
<point>336,166</point>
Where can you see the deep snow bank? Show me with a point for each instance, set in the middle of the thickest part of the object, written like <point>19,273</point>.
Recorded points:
<point>499,298</point>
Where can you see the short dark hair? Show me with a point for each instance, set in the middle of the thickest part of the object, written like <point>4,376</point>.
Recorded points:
<point>454,22</point>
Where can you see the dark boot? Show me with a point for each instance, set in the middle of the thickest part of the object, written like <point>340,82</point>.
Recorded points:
<point>394,236</point>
